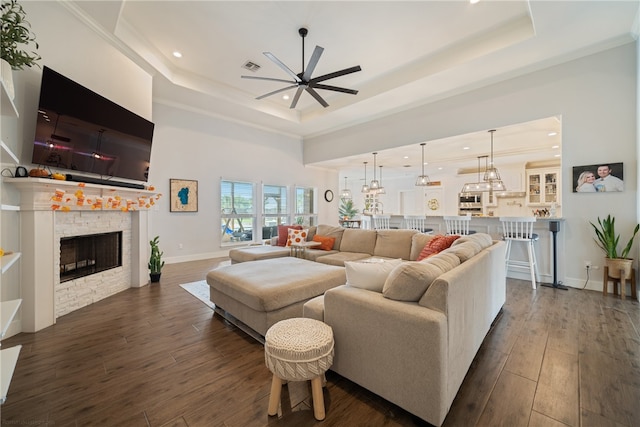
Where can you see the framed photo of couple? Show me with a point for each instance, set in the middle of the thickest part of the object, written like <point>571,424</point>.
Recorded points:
<point>598,178</point>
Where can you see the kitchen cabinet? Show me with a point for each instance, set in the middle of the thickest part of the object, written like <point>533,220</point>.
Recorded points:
<point>543,187</point>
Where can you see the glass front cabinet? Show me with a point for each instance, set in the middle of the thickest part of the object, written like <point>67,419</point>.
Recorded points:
<point>543,187</point>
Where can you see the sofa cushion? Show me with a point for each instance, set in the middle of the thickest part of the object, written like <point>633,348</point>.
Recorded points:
<point>358,240</point>
<point>312,254</point>
<point>339,258</point>
<point>369,275</point>
<point>326,242</point>
<point>283,233</point>
<point>465,250</point>
<point>410,280</point>
<point>418,242</point>
<point>483,239</point>
<point>331,231</point>
<point>297,236</point>
<point>446,261</point>
<point>436,245</point>
<point>394,243</point>
<point>254,253</point>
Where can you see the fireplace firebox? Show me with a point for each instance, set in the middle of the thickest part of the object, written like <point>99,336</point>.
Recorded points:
<point>89,254</point>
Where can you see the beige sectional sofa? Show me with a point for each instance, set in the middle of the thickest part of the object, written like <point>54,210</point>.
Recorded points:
<point>406,330</point>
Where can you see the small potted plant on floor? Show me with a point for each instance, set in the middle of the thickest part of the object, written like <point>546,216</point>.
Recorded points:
<point>155,261</point>
<point>617,262</point>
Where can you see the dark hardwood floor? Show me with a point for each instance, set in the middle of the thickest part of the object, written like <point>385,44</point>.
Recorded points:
<point>156,356</point>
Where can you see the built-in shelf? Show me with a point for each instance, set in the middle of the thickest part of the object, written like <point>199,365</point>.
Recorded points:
<point>8,107</point>
<point>6,150</point>
<point>8,361</point>
<point>9,207</point>
<point>8,260</point>
<point>8,310</point>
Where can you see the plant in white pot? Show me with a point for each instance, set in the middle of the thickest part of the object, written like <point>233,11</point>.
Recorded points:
<point>155,260</point>
<point>617,262</point>
<point>16,38</point>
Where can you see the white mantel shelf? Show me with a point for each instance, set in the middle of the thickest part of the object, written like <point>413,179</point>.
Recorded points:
<point>37,192</point>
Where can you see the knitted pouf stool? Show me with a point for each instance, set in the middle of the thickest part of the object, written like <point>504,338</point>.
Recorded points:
<point>298,349</point>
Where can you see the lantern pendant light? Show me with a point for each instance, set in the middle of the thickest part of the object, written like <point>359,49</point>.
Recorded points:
<point>491,174</point>
<point>423,179</point>
<point>345,194</point>
<point>365,186</point>
<point>381,189</point>
<point>375,184</point>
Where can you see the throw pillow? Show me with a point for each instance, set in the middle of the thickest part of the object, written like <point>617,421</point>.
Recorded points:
<point>326,243</point>
<point>369,275</point>
<point>435,245</point>
<point>297,236</point>
<point>409,281</point>
<point>283,233</point>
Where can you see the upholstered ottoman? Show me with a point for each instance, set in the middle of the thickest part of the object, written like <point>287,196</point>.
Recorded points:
<point>298,350</point>
<point>261,293</point>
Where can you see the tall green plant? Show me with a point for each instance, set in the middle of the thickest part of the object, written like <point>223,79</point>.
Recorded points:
<point>607,239</point>
<point>347,209</point>
<point>15,33</point>
<point>155,260</point>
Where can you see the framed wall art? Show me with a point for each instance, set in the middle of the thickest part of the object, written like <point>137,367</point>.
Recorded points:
<point>598,178</point>
<point>183,195</point>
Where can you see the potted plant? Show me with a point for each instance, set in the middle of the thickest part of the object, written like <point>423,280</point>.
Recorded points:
<point>617,262</point>
<point>15,37</point>
<point>346,209</point>
<point>155,261</point>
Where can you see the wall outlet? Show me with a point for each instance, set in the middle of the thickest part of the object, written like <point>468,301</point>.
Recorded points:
<point>587,264</point>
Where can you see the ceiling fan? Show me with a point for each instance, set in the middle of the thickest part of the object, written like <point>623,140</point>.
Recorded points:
<point>303,80</point>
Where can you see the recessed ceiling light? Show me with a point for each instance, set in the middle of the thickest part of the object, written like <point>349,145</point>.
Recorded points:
<point>177,54</point>
<point>555,146</point>
<point>466,148</point>
<point>557,155</point>
<point>440,168</point>
<point>405,157</point>
<point>285,97</point>
<point>473,1</point>
<point>552,133</point>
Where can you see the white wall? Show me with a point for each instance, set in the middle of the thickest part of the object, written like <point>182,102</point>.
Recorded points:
<point>597,99</point>
<point>194,146</point>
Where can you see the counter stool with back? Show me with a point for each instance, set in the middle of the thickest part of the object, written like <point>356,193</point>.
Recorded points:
<point>520,229</point>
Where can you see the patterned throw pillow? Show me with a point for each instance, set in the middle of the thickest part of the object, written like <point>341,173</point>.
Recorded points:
<point>435,245</point>
<point>297,236</point>
<point>326,242</point>
<point>283,233</point>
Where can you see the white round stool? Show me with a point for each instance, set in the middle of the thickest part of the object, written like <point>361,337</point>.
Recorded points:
<point>298,349</point>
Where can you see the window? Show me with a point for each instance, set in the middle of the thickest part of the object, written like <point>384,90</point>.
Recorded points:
<point>275,209</point>
<point>238,213</point>
<point>306,213</point>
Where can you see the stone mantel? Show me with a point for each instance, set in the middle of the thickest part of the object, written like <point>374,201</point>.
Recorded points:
<point>42,200</point>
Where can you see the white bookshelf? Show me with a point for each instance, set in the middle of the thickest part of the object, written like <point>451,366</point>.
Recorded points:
<point>9,260</point>
<point>6,151</point>
<point>8,310</point>
<point>8,361</point>
<point>8,107</point>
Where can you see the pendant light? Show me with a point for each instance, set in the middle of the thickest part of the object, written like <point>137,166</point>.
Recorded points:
<point>491,174</point>
<point>381,189</point>
<point>345,194</point>
<point>365,186</point>
<point>375,184</point>
<point>478,186</point>
<point>423,179</point>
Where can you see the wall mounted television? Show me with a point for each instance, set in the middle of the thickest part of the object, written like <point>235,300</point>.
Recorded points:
<point>81,131</point>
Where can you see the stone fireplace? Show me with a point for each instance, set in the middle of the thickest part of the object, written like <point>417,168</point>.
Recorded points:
<point>44,223</point>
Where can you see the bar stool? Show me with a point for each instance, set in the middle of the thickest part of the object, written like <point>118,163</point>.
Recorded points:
<point>458,225</point>
<point>520,229</point>
<point>381,222</point>
<point>416,222</point>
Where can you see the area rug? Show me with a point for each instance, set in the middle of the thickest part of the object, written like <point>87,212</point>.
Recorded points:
<point>199,290</point>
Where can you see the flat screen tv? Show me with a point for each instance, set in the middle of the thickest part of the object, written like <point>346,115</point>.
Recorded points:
<point>81,131</point>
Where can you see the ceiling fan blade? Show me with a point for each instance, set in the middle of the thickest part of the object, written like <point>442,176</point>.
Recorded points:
<point>317,96</point>
<point>276,91</point>
<point>315,57</point>
<point>335,88</point>
<point>286,69</point>
<point>296,97</point>
<point>267,78</point>
<point>336,74</point>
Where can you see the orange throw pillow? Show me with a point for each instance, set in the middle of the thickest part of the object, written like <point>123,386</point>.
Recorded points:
<point>283,233</point>
<point>326,242</point>
<point>438,244</point>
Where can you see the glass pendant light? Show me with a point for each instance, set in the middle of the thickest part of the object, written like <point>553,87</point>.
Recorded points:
<point>345,194</point>
<point>491,174</point>
<point>375,184</point>
<point>381,189</point>
<point>478,186</point>
<point>365,186</point>
<point>423,179</point>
